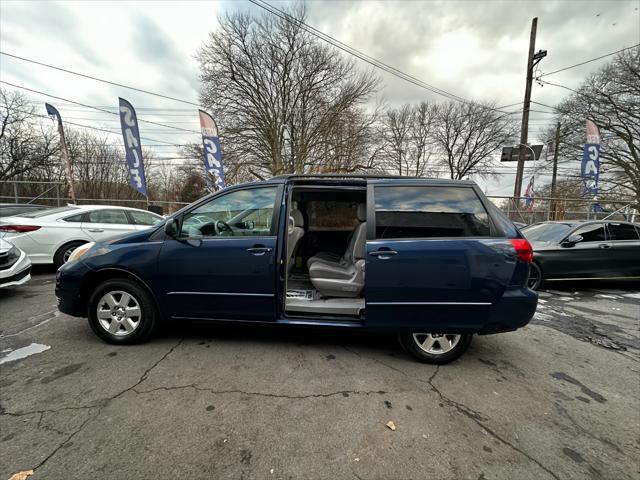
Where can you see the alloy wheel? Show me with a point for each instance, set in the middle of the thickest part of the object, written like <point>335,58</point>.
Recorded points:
<point>534,280</point>
<point>436,343</point>
<point>119,313</point>
<point>68,252</point>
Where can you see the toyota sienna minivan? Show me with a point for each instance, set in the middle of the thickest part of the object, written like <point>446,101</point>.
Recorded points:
<point>431,260</point>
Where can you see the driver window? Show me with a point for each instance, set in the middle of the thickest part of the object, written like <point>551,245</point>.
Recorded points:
<point>240,213</point>
<point>591,233</point>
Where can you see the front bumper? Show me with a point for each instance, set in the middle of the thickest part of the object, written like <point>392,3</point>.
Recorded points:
<point>17,274</point>
<point>69,281</point>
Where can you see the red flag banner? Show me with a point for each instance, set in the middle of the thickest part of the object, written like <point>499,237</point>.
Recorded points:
<point>64,153</point>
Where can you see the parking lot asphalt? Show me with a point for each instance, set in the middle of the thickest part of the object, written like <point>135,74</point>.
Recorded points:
<point>559,399</point>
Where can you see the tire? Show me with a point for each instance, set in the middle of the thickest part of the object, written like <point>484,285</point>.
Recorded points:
<point>122,312</point>
<point>535,276</point>
<point>62,254</point>
<point>437,353</point>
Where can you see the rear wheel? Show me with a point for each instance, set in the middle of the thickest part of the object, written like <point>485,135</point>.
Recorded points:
<point>122,312</point>
<point>535,276</point>
<point>436,348</point>
<point>64,252</point>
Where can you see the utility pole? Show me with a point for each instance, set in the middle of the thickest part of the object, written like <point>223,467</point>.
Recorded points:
<point>524,129</point>
<point>555,172</point>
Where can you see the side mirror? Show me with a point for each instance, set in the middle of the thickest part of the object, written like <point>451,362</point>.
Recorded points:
<point>171,228</point>
<point>571,240</point>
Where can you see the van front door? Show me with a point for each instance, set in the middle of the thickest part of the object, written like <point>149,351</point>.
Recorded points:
<point>431,260</point>
<point>222,265</point>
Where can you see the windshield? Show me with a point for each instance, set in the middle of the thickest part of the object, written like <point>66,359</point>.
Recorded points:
<point>546,232</point>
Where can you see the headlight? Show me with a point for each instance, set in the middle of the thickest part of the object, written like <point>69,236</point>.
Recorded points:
<point>80,251</point>
<point>13,254</point>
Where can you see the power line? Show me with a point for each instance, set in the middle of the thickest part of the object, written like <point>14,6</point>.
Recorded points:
<point>363,56</point>
<point>510,105</point>
<point>104,130</point>
<point>588,61</point>
<point>559,86</point>
<point>97,79</point>
<point>95,108</point>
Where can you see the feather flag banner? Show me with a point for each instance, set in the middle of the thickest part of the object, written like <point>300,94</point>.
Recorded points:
<point>64,152</point>
<point>133,149</point>
<point>214,171</point>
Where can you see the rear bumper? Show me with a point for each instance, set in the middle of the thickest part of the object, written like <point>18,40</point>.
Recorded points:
<point>69,281</point>
<point>514,310</point>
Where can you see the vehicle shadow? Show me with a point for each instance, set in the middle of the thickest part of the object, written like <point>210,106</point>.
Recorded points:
<point>281,335</point>
<point>587,285</point>
<point>42,270</point>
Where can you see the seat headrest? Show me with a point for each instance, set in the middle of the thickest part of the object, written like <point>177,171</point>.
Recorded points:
<point>298,219</point>
<point>362,212</point>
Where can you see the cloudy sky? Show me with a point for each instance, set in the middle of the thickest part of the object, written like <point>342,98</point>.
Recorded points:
<point>474,49</point>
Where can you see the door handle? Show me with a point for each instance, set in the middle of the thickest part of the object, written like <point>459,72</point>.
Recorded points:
<point>258,250</point>
<point>96,230</point>
<point>383,254</point>
<point>604,245</point>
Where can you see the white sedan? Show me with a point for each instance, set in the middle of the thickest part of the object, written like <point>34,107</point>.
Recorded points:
<point>51,235</point>
<point>15,267</point>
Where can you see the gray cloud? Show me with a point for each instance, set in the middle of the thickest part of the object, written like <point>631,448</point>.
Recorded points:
<point>404,32</point>
<point>55,23</point>
<point>475,49</point>
<point>152,44</point>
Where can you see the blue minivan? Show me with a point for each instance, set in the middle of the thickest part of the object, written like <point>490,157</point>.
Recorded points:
<point>431,260</point>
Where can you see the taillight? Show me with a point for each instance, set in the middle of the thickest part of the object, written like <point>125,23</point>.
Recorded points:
<point>18,228</point>
<point>523,249</point>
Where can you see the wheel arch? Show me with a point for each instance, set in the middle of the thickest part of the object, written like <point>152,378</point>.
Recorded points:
<point>115,273</point>
<point>66,242</point>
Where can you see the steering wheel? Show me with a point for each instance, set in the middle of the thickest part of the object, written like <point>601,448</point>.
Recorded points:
<point>222,223</point>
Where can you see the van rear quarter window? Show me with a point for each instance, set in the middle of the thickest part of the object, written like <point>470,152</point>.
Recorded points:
<point>429,212</point>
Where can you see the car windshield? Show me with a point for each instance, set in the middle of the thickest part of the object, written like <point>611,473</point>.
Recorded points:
<point>49,211</point>
<point>546,232</point>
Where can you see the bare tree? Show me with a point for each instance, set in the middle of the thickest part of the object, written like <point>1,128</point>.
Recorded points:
<point>265,78</point>
<point>467,135</point>
<point>611,99</point>
<point>24,145</point>
<point>407,138</point>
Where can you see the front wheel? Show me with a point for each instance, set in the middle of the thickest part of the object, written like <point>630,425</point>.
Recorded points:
<point>535,276</point>
<point>435,348</point>
<point>64,252</point>
<point>122,312</point>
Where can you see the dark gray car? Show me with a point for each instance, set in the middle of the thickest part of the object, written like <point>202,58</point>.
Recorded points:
<point>583,250</point>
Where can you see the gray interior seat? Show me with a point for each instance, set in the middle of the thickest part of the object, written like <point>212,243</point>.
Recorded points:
<point>344,278</point>
<point>329,258</point>
<point>295,233</point>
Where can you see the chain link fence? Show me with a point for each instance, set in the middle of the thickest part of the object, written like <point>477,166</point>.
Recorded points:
<point>557,208</point>
<point>55,194</point>
<point>541,209</point>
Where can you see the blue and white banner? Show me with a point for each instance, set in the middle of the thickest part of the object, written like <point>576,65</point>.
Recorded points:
<point>590,167</point>
<point>214,172</point>
<point>131,136</point>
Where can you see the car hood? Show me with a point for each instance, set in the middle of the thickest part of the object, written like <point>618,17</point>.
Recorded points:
<point>543,245</point>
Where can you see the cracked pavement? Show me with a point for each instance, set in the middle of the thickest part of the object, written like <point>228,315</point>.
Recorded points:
<point>559,399</point>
